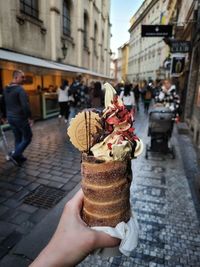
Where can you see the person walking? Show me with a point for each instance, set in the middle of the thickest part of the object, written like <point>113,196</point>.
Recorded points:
<point>97,96</point>
<point>18,114</point>
<point>147,98</point>
<point>63,100</point>
<point>128,98</point>
<point>136,92</point>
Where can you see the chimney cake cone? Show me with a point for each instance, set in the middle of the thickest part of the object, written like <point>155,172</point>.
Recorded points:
<point>106,188</point>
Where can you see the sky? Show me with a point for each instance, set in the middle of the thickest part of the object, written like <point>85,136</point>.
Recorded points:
<point>121,13</point>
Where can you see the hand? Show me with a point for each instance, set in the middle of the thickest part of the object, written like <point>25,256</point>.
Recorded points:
<point>73,239</point>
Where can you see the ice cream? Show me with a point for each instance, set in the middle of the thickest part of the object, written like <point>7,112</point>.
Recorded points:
<point>121,142</point>
<point>108,145</point>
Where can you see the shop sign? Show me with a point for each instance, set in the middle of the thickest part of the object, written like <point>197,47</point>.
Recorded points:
<point>177,46</point>
<point>198,98</point>
<point>156,30</point>
<point>177,65</point>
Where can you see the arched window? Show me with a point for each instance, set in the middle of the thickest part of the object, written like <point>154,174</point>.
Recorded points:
<point>30,8</point>
<point>85,34</point>
<point>95,38</point>
<point>66,18</point>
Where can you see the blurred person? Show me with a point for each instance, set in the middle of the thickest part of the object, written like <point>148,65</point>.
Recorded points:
<point>168,96</point>
<point>136,92</point>
<point>157,84</point>
<point>73,240</point>
<point>128,98</point>
<point>74,92</point>
<point>143,89</point>
<point>97,96</point>
<point>63,100</point>
<point>147,97</point>
<point>18,114</point>
<point>119,88</point>
<point>83,95</point>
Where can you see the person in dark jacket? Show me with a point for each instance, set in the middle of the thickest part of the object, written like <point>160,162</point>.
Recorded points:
<point>18,115</point>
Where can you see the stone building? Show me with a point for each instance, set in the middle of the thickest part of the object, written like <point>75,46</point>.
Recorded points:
<point>122,69</point>
<point>190,14</point>
<point>54,39</point>
<point>147,54</point>
<point>41,28</point>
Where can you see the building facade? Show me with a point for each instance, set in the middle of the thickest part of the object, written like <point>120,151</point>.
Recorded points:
<point>123,56</point>
<point>189,29</point>
<point>42,28</point>
<point>52,40</point>
<point>147,54</point>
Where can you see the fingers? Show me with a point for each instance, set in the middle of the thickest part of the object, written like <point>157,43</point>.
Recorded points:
<point>105,240</point>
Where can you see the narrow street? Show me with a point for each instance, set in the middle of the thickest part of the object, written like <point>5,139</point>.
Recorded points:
<point>33,196</point>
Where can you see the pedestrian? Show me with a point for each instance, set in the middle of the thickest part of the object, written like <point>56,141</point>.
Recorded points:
<point>136,92</point>
<point>18,114</point>
<point>128,98</point>
<point>168,97</point>
<point>63,100</point>
<point>73,240</point>
<point>75,93</point>
<point>143,89</point>
<point>147,97</point>
<point>119,88</point>
<point>156,87</point>
<point>96,96</point>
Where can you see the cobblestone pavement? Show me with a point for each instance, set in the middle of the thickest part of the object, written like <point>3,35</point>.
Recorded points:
<point>52,162</point>
<point>160,196</point>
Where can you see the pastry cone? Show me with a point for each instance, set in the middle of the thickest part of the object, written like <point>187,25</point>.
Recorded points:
<point>106,188</point>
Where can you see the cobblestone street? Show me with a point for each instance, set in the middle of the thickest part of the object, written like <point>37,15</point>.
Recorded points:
<point>160,195</point>
<point>52,162</point>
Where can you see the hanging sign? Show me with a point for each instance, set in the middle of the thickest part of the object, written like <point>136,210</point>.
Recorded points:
<point>177,46</point>
<point>156,30</point>
<point>177,64</point>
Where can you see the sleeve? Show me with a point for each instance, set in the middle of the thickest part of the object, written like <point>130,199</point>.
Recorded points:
<point>24,103</point>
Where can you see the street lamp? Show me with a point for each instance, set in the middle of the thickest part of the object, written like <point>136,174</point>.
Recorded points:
<point>64,49</point>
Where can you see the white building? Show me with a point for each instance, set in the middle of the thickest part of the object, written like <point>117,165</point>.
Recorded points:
<point>146,55</point>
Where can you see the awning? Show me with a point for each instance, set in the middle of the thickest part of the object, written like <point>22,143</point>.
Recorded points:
<point>34,61</point>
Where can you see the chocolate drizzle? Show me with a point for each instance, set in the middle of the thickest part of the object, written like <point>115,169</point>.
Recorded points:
<point>88,129</point>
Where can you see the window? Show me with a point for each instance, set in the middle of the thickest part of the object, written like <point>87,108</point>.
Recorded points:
<point>85,34</point>
<point>30,8</point>
<point>95,38</point>
<point>66,18</point>
<point>102,47</point>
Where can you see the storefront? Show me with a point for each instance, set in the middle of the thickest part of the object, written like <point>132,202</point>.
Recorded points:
<point>42,80</point>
